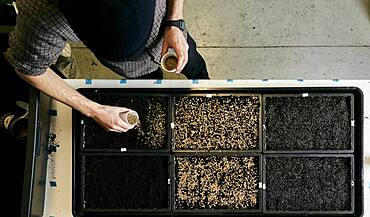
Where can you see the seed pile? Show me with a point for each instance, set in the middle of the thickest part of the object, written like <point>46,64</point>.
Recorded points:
<point>217,123</point>
<point>171,63</point>
<point>216,182</point>
<point>308,184</point>
<point>151,133</point>
<point>132,118</point>
<point>308,123</point>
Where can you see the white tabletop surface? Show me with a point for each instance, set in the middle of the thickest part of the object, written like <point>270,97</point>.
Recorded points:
<point>58,201</point>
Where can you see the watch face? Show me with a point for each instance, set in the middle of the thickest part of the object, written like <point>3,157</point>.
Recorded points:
<point>178,23</point>
<point>182,25</point>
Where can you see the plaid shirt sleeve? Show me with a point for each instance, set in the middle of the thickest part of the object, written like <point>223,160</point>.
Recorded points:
<point>34,44</point>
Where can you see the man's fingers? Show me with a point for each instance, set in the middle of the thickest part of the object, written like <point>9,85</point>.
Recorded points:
<point>185,62</point>
<point>115,130</point>
<point>182,55</point>
<point>164,48</point>
<point>180,62</point>
<point>119,125</point>
<point>123,125</point>
<point>123,110</point>
<point>118,129</point>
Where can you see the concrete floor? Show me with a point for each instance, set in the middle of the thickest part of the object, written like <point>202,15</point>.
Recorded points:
<point>285,39</point>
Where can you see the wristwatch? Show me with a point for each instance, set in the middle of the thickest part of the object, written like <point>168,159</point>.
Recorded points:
<point>177,23</point>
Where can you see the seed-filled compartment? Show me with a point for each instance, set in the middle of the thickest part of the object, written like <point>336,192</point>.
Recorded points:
<point>308,184</point>
<point>308,123</point>
<point>217,123</point>
<point>216,182</point>
<point>149,134</point>
<point>114,182</point>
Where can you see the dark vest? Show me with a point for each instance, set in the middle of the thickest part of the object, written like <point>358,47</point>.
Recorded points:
<point>115,30</point>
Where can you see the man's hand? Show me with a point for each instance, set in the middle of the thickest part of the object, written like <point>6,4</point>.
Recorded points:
<point>174,38</point>
<point>109,118</point>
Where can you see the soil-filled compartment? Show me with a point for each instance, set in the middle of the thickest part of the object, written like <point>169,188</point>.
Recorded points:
<point>217,183</point>
<point>220,122</point>
<point>305,184</point>
<point>114,182</point>
<point>150,134</point>
<point>312,123</point>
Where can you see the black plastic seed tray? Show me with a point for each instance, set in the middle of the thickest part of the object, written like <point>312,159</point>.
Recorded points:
<point>218,122</point>
<point>309,184</point>
<point>150,135</point>
<point>352,152</point>
<point>308,122</point>
<point>207,193</point>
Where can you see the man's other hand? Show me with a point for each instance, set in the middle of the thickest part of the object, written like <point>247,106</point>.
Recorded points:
<point>174,38</point>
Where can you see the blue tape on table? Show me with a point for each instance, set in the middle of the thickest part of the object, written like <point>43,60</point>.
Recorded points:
<point>123,81</point>
<point>158,82</point>
<point>88,81</point>
<point>229,80</point>
<point>265,80</point>
<point>336,80</point>
<point>195,81</point>
<point>300,80</point>
<point>53,184</point>
<point>53,112</point>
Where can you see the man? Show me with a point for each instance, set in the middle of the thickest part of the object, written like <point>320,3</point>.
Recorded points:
<point>128,36</point>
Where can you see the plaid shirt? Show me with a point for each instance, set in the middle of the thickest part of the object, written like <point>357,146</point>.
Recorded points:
<point>42,31</point>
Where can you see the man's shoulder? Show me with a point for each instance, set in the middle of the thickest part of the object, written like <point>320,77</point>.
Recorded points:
<point>44,15</point>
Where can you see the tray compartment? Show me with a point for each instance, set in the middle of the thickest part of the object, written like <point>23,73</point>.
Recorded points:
<point>151,134</point>
<point>222,122</point>
<point>205,183</point>
<point>316,122</point>
<point>122,183</point>
<point>305,184</point>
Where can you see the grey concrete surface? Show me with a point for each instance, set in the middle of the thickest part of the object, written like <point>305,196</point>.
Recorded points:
<point>276,39</point>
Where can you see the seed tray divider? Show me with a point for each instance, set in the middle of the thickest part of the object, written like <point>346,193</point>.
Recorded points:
<point>217,211</point>
<point>210,95</point>
<point>310,152</point>
<point>172,185</point>
<point>310,94</point>
<point>170,122</point>
<point>90,211</point>
<point>304,212</point>
<point>127,150</point>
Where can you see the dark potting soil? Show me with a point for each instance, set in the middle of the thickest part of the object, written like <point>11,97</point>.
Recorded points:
<point>308,123</point>
<point>150,134</point>
<point>217,123</point>
<point>126,182</point>
<point>216,182</point>
<point>308,184</point>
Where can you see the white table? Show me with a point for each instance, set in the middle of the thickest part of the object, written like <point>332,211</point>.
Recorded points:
<point>58,201</point>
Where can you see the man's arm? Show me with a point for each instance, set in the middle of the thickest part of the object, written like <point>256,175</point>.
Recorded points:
<point>174,37</point>
<point>52,85</point>
<point>175,8</point>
